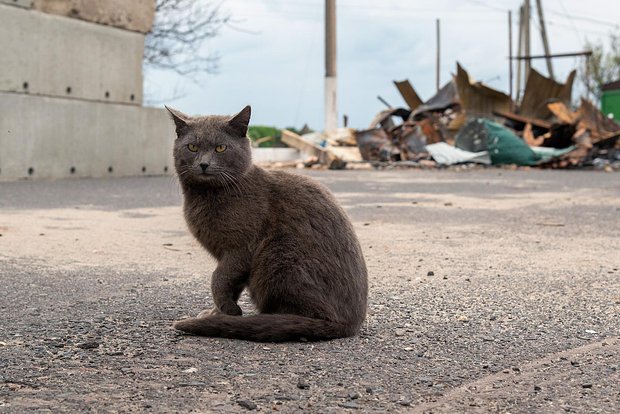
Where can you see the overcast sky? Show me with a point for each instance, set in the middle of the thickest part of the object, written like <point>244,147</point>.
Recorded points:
<point>276,63</point>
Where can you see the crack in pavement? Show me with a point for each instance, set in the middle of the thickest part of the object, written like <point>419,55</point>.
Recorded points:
<point>487,393</point>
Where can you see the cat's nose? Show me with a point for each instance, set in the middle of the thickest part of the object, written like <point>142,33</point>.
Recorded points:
<point>204,166</point>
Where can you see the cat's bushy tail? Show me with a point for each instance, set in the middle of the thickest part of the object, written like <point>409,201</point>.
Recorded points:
<point>266,327</point>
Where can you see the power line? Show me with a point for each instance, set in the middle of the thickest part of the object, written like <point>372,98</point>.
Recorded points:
<point>583,18</point>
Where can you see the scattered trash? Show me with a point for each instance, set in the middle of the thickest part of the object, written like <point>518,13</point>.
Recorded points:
<point>468,122</point>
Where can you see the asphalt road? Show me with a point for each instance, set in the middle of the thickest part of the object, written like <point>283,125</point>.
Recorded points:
<point>490,291</point>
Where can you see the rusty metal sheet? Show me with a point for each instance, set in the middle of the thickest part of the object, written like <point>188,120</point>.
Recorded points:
<point>412,142</point>
<point>478,99</point>
<point>446,97</point>
<point>591,118</point>
<point>540,91</point>
<point>408,93</point>
<point>562,113</point>
<point>523,120</point>
<point>374,144</point>
<point>384,118</point>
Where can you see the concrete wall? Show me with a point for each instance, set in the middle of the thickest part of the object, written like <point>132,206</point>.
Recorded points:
<point>44,137</point>
<point>56,56</point>
<point>135,15</point>
<point>97,127</point>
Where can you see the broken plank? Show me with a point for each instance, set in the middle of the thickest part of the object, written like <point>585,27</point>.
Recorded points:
<point>408,93</point>
<point>524,120</point>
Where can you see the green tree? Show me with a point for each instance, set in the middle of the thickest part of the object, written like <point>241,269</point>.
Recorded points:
<point>602,67</point>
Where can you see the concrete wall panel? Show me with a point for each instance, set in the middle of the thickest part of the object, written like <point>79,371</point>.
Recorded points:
<point>52,135</point>
<point>55,56</point>
<point>135,15</point>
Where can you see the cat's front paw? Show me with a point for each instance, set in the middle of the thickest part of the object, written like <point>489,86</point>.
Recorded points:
<point>208,312</point>
<point>231,308</point>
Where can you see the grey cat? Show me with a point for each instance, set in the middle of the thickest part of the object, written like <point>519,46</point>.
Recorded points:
<point>281,236</point>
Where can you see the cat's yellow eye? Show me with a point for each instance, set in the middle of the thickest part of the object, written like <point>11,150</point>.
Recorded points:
<point>220,148</point>
<point>192,147</point>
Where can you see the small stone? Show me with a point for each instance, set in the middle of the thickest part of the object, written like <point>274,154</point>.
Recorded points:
<point>405,403</point>
<point>284,397</point>
<point>114,353</point>
<point>350,405</point>
<point>88,345</point>
<point>247,404</point>
<point>354,395</point>
<point>399,332</point>
<point>369,390</point>
<point>302,384</point>
<point>586,385</point>
<point>430,273</point>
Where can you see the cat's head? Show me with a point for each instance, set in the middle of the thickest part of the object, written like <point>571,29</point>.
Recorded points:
<point>211,150</point>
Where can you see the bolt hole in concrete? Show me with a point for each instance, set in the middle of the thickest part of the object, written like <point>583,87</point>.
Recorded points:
<point>68,90</point>
<point>166,169</point>
<point>107,94</point>
<point>110,169</point>
<point>143,169</point>
<point>72,170</point>
<point>25,85</point>
<point>30,171</point>
<point>132,97</point>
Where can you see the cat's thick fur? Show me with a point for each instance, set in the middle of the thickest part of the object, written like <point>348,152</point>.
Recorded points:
<point>281,236</point>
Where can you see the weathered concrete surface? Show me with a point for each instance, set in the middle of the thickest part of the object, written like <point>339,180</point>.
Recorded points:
<point>266,155</point>
<point>51,137</point>
<point>135,15</point>
<point>520,315</point>
<point>49,55</point>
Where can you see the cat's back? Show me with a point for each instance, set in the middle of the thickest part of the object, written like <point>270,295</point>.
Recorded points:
<point>303,195</point>
<point>305,208</point>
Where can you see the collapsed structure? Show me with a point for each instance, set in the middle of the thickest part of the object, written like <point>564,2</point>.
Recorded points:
<point>467,121</point>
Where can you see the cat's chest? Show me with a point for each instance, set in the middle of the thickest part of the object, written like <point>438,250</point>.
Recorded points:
<point>214,224</point>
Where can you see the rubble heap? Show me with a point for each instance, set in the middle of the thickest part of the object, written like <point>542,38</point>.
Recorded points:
<point>469,122</point>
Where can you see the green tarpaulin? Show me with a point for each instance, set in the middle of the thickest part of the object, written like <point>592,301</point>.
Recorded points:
<point>504,147</point>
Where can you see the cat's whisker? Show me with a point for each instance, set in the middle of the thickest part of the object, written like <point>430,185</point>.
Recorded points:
<point>232,180</point>
<point>227,187</point>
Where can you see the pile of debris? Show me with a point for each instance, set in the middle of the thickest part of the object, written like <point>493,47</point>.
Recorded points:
<point>469,122</point>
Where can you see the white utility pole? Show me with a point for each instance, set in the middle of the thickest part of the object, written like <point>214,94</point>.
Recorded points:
<point>331,107</point>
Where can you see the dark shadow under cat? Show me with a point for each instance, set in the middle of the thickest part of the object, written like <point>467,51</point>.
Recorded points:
<point>281,236</point>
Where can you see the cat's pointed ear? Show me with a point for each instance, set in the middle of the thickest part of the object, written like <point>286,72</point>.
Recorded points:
<point>239,123</point>
<point>179,118</point>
